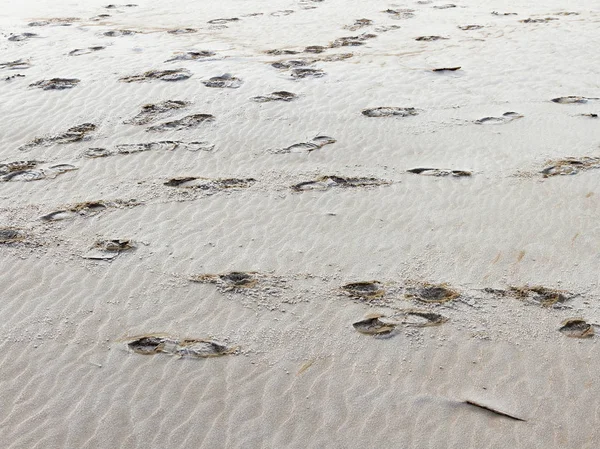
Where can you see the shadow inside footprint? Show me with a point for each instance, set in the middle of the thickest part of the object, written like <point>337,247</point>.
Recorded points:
<point>191,55</point>
<point>307,147</point>
<point>192,182</point>
<point>191,121</point>
<point>11,235</point>
<point>151,112</point>
<point>375,325</point>
<point>71,135</point>
<point>570,166</point>
<point>506,117</point>
<point>327,182</point>
<point>281,95</point>
<point>573,100</point>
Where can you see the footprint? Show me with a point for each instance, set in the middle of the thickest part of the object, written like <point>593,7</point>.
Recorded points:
<point>306,147</point>
<point>11,235</point>
<point>285,65</point>
<point>352,41</point>
<point>570,166</point>
<point>496,13</point>
<point>430,38</point>
<point>590,115</point>
<point>234,280</point>
<point>64,21</point>
<point>100,17</point>
<point>21,37</point>
<point>314,49</point>
<point>56,83</point>
<point>386,111</point>
<point>224,81</point>
<point>327,182</point>
<point>447,69</point>
<point>189,347</point>
<point>544,20</point>
<point>19,64</point>
<point>108,249</point>
<point>183,31</point>
<point>432,293</point>
<point>27,175</point>
<point>86,209</point>
<point>386,28</point>
<point>194,182</point>
<point>166,145</point>
<point>439,172</point>
<point>113,6</point>
<point>191,121</point>
<point>375,324</point>
<point>506,117</point>
<point>364,290</point>
<point>281,95</point>
<point>85,51</point>
<point>577,328</point>
<point>119,33</point>
<point>573,100</point>
<point>152,111</point>
<point>279,52</point>
<point>301,73</point>
<point>421,318</point>
<point>164,75</point>
<point>358,24</point>
<point>222,21</point>
<point>399,14</point>
<point>74,134</point>
<point>284,12</point>
<point>191,55</point>
<point>470,27</point>
<point>542,296</point>
<point>448,6</point>
<point>10,167</point>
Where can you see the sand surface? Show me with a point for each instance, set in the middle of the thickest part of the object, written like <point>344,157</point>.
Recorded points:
<point>305,196</point>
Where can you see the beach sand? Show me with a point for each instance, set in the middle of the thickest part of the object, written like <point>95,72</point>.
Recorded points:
<point>139,169</point>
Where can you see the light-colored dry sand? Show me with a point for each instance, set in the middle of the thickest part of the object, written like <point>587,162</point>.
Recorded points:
<point>302,376</point>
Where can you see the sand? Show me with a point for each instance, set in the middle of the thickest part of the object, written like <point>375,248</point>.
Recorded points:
<point>146,208</point>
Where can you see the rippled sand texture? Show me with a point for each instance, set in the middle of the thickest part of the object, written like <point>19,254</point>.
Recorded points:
<point>448,152</point>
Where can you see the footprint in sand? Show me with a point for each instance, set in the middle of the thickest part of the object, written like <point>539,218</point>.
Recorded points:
<point>302,73</point>
<point>279,52</point>
<point>281,95</point>
<point>375,324</point>
<point>21,37</point>
<point>387,111</point>
<point>132,148</point>
<point>470,27</point>
<point>448,6</point>
<point>577,328</point>
<point>119,33</point>
<point>223,21</point>
<point>328,182</point>
<point>11,235</point>
<point>399,14</point>
<point>164,75</point>
<point>191,121</point>
<point>306,147</point>
<point>19,64</point>
<point>35,174</point>
<point>74,134</point>
<point>506,118</point>
<point>153,111</point>
<point>85,51</point>
<point>358,24</point>
<point>316,49</point>
<point>439,172</point>
<point>543,296</point>
<point>187,347</point>
<point>13,77</point>
<point>364,289</point>
<point>430,38</point>
<point>447,69</point>
<point>210,184</point>
<point>544,20</point>
<point>57,21</point>
<point>291,63</point>
<point>570,166</point>
<point>432,293</point>
<point>573,100</point>
<point>86,209</point>
<point>183,31</point>
<point>226,80</point>
<point>235,280</point>
<point>191,55</point>
<point>109,249</point>
<point>56,83</point>
<point>421,318</point>
<point>352,41</point>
